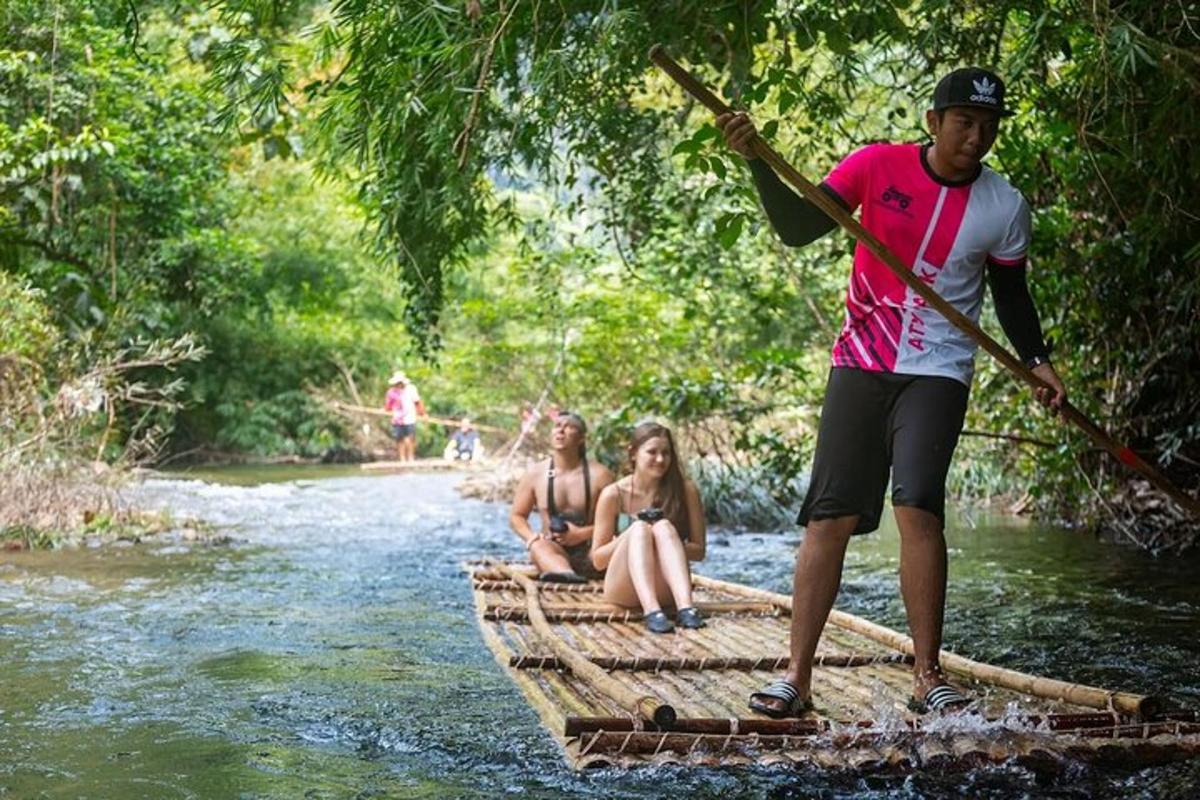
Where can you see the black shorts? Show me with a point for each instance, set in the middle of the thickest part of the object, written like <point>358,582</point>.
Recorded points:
<point>403,431</point>
<point>873,422</point>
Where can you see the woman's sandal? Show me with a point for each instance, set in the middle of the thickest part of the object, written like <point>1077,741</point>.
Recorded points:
<point>657,622</point>
<point>794,704</point>
<point>940,698</point>
<point>689,618</point>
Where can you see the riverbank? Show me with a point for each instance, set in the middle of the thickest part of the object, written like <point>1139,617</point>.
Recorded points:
<point>64,506</point>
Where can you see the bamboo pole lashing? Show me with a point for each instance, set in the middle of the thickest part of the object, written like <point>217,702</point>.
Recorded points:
<point>1085,726</point>
<point>592,587</point>
<point>580,613</point>
<point>629,749</point>
<point>701,663</point>
<point>645,705</point>
<point>904,272</point>
<point>576,605</point>
<point>1050,688</point>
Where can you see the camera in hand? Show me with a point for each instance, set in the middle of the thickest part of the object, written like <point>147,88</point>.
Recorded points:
<point>558,523</point>
<point>651,514</point>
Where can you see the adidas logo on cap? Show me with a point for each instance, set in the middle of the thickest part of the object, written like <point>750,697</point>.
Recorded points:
<point>984,90</point>
<point>970,86</point>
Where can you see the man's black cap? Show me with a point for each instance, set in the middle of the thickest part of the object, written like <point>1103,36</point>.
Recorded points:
<point>971,86</point>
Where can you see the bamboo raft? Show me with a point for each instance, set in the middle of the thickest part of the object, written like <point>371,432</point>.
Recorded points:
<point>615,695</point>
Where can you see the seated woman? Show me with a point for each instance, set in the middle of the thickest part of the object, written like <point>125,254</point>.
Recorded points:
<point>649,525</point>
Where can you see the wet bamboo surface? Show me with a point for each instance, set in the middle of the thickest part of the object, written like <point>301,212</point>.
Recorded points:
<point>861,684</point>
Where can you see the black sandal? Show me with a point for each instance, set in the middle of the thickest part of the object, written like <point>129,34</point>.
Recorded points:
<point>689,618</point>
<point>793,704</point>
<point>940,698</point>
<point>561,577</point>
<point>657,622</point>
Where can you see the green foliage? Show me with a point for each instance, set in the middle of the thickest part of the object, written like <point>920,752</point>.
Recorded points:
<point>107,176</point>
<point>437,102</point>
<point>27,334</point>
<point>130,214</point>
<point>311,304</point>
<point>549,211</point>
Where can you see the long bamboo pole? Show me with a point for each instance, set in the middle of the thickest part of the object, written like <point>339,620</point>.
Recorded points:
<point>650,708</point>
<point>930,746</point>
<point>378,412</point>
<point>1049,688</point>
<point>902,271</point>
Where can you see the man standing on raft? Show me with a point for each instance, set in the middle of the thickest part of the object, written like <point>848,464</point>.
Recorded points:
<point>564,489</point>
<point>900,374</point>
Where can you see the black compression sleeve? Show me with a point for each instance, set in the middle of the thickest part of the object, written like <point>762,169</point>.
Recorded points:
<point>796,220</point>
<point>1014,307</point>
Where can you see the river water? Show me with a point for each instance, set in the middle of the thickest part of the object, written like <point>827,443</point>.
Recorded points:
<point>331,651</point>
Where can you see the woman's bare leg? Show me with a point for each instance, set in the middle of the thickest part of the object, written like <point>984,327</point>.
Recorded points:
<point>630,579</point>
<point>673,563</point>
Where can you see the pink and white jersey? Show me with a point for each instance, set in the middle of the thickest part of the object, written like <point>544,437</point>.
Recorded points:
<point>946,232</point>
<point>402,402</point>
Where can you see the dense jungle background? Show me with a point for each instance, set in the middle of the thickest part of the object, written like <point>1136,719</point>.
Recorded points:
<point>218,218</point>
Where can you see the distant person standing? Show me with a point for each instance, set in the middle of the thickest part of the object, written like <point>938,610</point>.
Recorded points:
<point>404,401</point>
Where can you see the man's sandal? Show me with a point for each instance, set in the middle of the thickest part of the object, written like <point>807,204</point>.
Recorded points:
<point>940,698</point>
<point>793,704</point>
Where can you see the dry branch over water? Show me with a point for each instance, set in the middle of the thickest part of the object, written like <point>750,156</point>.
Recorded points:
<point>55,485</point>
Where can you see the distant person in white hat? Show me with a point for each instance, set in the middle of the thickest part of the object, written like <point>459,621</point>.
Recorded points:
<point>404,401</point>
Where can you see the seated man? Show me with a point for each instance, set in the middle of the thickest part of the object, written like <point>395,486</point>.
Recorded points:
<point>564,490</point>
<point>464,443</point>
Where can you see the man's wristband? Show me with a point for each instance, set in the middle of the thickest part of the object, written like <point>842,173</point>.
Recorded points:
<point>1037,361</point>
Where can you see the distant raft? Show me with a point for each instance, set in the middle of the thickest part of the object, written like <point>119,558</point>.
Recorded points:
<point>616,695</point>
<point>425,465</point>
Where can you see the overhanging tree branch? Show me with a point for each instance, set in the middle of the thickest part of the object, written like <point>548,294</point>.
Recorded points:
<point>49,251</point>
